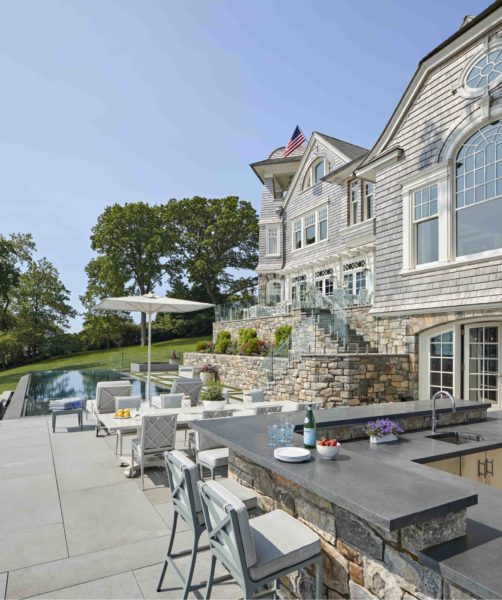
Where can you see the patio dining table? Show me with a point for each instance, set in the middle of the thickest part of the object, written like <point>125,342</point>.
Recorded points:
<point>185,415</point>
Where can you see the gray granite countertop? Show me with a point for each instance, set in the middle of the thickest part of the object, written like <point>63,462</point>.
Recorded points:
<point>387,485</point>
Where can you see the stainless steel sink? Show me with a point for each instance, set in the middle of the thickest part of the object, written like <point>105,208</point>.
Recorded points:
<point>457,437</point>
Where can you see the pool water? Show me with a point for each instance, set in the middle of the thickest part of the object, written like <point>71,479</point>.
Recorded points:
<point>55,385</point>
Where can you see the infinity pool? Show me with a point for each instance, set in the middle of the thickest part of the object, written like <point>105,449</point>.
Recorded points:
<point>55,385</point>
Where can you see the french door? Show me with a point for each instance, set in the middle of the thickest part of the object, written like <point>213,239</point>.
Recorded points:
<point>482,364</point>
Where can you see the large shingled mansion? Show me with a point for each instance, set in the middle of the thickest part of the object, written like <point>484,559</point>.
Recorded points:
<point>402,242</point>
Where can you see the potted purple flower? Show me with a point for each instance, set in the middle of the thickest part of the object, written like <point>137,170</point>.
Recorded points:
<point>383,430</point>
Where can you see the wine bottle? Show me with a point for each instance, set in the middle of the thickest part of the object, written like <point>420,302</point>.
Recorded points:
<point>309,437</point>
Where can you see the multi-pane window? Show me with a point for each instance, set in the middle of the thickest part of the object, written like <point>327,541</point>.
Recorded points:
<point>323,223</point>
<point>297,236</point>
<point>368,199</point>
<point>486,70</point>
<point>309,225</point>
<point>310,229</point>
<point>319,171</point>
<point>441,363</point>
<point>354,204</point>
<point>478,198</point>
<point>273,240</point>
<point>425,219</point>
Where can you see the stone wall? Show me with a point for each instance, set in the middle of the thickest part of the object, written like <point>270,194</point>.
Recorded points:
<point>341,379</point>
<point>235,371</point>
<point>337,379</point>
<point>361,560</point>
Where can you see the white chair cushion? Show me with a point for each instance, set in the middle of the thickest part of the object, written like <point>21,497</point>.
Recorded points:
<point>245,495</point>
<point>218,457</point>
<point>280,542</point>
<point>168,401</point>
<point>242,516</point>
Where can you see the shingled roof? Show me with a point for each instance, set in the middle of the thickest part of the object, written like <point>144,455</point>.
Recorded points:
<point>350,150</point>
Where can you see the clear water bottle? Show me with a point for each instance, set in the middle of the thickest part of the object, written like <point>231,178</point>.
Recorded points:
<point>309,434</point>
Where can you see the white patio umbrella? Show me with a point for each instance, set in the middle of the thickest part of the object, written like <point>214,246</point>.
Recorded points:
<point>151,304</point>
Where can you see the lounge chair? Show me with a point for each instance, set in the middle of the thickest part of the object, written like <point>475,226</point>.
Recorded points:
<point>106,392</point>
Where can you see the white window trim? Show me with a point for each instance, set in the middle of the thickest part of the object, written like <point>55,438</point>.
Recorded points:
<point>278,229</point>
<point>439,175</point>
<point>465,90</point>
<point>302,218</point>
<point>309,173</point>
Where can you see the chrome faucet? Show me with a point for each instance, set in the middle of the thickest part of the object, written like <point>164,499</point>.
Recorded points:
<point>440,394</point>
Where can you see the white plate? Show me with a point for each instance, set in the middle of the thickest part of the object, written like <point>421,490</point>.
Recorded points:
<point>291,454</point>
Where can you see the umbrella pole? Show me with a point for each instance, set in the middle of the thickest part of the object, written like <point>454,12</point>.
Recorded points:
<point>148,395</point>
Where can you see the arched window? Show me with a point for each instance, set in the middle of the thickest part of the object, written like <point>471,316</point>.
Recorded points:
<point>274,291</point>
<point>478,197</point>
<point>314,173</point>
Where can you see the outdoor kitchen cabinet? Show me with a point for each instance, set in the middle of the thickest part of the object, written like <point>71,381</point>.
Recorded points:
<point>448,465</point>
<point>484,466</point>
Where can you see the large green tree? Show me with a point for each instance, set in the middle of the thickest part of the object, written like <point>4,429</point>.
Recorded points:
<point>15,251</point>
<point>214,236</point>
<point>133,243</point>
<point>42,308</point>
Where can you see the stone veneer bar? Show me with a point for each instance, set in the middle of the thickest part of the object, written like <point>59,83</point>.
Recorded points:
<point>373,518</point>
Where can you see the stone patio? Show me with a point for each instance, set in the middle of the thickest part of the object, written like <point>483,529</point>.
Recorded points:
<point>71,524</point>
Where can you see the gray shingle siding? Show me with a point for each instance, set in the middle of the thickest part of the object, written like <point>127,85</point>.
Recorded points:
<point>434,116</point>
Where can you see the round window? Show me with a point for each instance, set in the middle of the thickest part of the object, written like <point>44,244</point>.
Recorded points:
<point>485,71</point>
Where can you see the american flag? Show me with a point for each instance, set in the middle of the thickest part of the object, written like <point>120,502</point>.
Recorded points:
<point>296,140</point>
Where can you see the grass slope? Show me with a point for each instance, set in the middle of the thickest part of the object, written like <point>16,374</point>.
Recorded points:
<point>100,359</point>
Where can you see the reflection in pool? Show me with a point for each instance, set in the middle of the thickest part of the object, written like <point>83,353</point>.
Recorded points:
<point>55,385</point>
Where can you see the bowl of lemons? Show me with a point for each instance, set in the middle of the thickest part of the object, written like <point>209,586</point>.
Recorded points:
<point>123,413</point>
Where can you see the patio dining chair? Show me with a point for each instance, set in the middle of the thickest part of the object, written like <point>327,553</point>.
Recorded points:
<point>209,454</point>
<point>132,402</point>
<point>194,437</point>
<point>182,475</point>
<point>167,401</point>
<point>188,386</point>
<point>267,410</point>
<point>303,405</point>
<point>106,392</point>
<point>259,551</point>
<point>158,435</point>
<point>253,396</point>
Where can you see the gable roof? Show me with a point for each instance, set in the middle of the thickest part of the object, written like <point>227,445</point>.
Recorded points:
<point>344,150</point>
<point>350,150</point>
<point>461,38</point>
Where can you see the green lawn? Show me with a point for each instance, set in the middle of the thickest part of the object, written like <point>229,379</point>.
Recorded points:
<point>100,359</point>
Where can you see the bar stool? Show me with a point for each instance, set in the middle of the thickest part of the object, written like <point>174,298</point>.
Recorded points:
<point>183,477</point>
<point>259,551</point>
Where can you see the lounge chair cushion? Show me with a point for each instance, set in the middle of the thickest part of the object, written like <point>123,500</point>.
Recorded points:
<point>280,542</point>
<point>217,457</point>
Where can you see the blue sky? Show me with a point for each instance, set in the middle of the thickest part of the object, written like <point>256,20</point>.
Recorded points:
<point>108,101</point>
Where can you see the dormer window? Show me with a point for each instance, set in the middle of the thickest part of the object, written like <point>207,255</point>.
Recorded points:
<point>314,173</point>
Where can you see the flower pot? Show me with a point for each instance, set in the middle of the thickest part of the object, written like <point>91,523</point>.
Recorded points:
<point>390,437</point>
<point>214,404</point>
<point>206,377</point>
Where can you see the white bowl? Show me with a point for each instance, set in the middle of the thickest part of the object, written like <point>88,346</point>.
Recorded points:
<point>328,452</point>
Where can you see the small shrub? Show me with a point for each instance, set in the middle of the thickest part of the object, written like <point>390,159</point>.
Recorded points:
<point>223,341</point>
<point>204,346</point>
<point>254,347</point>
<point>282,333</point>
<point>245,334</point>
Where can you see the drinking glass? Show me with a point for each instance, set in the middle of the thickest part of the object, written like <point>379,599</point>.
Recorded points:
<point>289,429</point>
<point>272,436</point>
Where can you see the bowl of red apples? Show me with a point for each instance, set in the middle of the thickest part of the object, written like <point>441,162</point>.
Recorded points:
<point>327,448</point>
